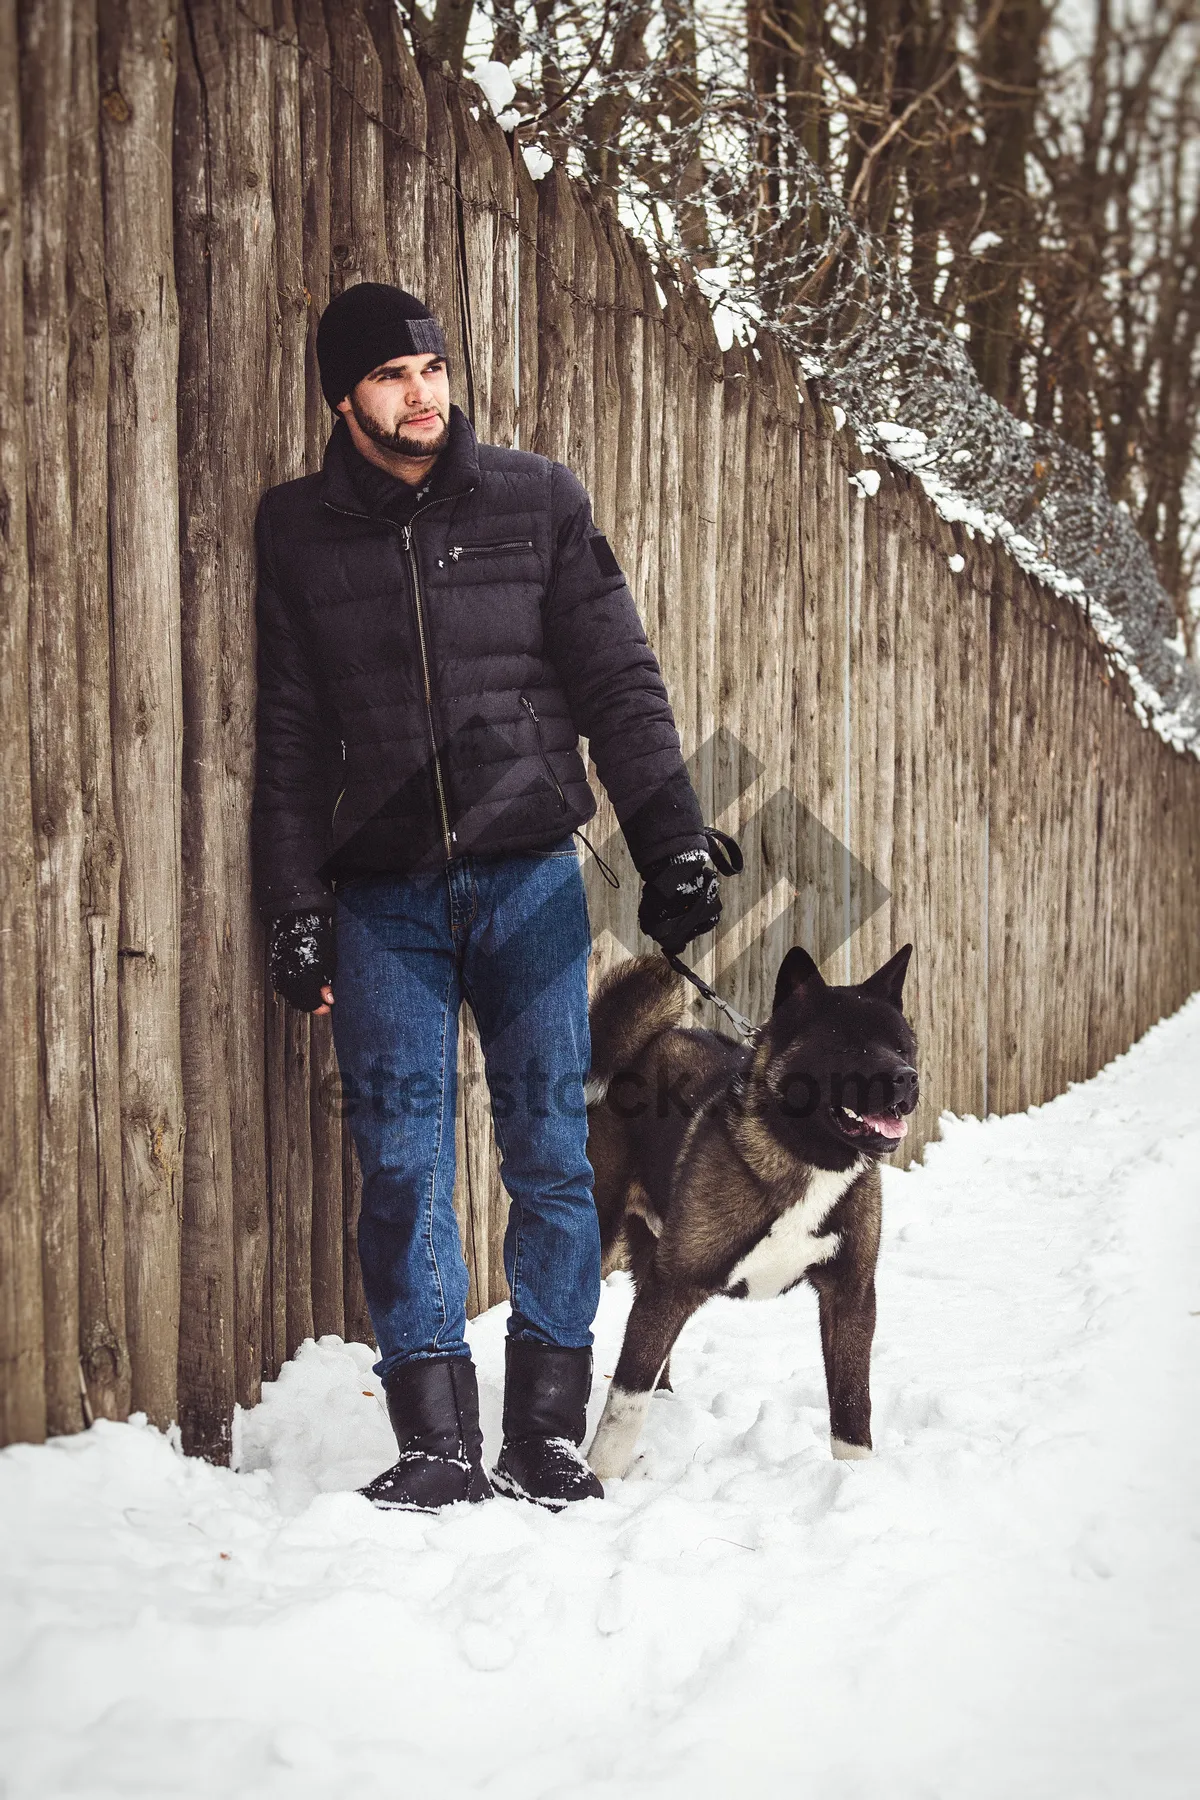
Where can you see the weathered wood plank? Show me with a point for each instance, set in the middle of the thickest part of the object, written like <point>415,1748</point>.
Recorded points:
<point>315,108</point>
<point>206,1348</point>
<point>45,74</point>
<point>274,1301</point>
<point>359,1329</point>
<point>675,639</point>
<point>605,385</point>
<point>556,316</point>
<point>298,1184</point>
<point>580,455</point>
<point>503,376</point>
<point>403,145</point>
<point>805,706</point>
<point>704,483</point>
<point>328,1226</point>
<point>104,1352</point>
<point>22,1368</point>
<point>230,367</point>
<point>525,295</point>
<point>358,247</point>
<point>138,63</point>
<point>439,288</point>
<point>730,780</point>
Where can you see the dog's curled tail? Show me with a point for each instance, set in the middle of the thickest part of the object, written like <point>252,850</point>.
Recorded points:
<point>631,1006</point>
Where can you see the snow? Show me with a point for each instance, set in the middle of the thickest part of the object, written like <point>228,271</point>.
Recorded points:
<point>987,240</point>
<point>495,79</point>
<point>957,563</point>
<point>889,432</point>
<point>1002,1601</point>
<point>539,162</point>
<point>867,482</point>
<point>910,449</point>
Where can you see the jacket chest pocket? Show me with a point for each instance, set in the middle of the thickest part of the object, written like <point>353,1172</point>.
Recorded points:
<point>492,547</point>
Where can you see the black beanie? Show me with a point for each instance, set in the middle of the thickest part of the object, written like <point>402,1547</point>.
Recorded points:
<point>367,325</point>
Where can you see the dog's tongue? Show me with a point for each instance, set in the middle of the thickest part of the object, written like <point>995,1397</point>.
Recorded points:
<point>885,1125</point>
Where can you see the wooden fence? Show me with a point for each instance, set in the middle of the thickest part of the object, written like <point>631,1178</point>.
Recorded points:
<point>905,752</point>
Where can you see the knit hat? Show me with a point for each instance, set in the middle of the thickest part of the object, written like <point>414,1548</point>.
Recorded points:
<point>367,325</point>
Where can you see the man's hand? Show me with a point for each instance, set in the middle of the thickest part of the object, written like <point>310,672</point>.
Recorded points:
<point>302,959</point>
<point>681,899</point>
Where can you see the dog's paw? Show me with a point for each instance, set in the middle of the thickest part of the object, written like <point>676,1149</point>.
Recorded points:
<point>848,1452</point>
<point>607,1467</point>
<point>617,1434</point>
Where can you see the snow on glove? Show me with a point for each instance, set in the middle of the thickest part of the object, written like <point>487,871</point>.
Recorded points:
<point>681,897</point>
<point>302,957</point>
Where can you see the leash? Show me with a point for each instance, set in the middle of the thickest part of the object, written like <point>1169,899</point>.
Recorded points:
<point>727,856</point>
<point>741,1024</point>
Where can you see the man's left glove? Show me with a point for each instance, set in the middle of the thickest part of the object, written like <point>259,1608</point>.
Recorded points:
<point>302,957</point>
<point>681,897</point>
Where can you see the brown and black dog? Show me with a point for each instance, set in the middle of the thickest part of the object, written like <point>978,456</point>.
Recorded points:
<point>745,1169</point>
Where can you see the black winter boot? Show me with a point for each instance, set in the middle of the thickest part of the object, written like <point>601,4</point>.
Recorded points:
<point>545,1418</point>
<point>434,1409</point>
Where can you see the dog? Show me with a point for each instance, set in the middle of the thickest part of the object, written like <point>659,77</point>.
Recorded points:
<point>723,1168</point>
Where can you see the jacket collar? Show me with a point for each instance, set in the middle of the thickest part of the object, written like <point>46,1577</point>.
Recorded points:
<point>456,470</point>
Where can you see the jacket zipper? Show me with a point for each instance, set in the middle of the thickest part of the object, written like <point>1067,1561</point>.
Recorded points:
<point>460,550</point>
<point>448,837</point>
<point>527,703</point>
<point>333,815</point>
<point>447,834</point>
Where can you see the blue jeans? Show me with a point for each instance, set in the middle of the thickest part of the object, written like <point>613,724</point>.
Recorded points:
<point>510,935</point>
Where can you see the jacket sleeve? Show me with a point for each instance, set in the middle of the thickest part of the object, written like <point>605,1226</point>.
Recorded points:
<point>614,686</point>
<point>297,756</point>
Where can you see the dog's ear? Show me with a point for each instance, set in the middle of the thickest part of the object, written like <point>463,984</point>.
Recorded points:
<point>796,971</point>
<point>888,983</point>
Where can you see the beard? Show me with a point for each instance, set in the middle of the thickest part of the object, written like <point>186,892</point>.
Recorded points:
<point>395,439</point>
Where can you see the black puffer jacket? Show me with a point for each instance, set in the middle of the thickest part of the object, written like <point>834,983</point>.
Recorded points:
<point>421,692</point>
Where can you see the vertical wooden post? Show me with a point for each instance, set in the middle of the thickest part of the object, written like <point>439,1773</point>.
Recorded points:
<point>22,1372</point>
<point>526,299</point>
<point>359,1329</point>
<point>358,246</point>
<point>137,92</point>
<point>705,481</point>
<point>728,786</point>
<point>226,272</point>
<point>475,263</point>
<point>54,686</point>
<point>314,111</point>
<point>403,145</point>
<point>328,1275</point>
<point>206,1348</point>
<point>502,203</point>
<point>556,315</point>
<point>103,1347</point>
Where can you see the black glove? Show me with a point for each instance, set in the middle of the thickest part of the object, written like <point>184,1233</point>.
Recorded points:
<point>681,897</point>
<point>302,957</point>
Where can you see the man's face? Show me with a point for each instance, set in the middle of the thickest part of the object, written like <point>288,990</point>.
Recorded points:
<point>404,405</point>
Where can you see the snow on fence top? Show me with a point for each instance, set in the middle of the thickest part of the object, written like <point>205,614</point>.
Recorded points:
<point>909,391</point>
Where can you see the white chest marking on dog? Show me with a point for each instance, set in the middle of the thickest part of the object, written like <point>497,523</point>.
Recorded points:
<point>792,1246</point>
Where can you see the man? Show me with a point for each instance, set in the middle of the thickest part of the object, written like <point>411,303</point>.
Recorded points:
<point>439,620</point>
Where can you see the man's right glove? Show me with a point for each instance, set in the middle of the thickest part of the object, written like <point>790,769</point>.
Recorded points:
<point>302,957</point>
<point>681,897</point>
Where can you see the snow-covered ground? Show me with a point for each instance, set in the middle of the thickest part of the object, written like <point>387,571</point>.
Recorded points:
<point>1004,1602</point>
